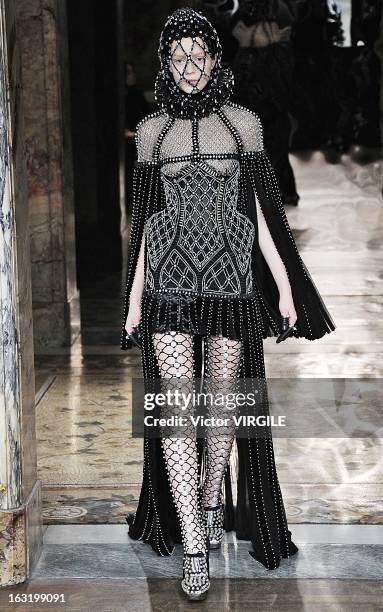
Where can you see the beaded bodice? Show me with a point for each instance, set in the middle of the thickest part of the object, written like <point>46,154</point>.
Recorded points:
<point>199,186</point>
<point>199,242</point>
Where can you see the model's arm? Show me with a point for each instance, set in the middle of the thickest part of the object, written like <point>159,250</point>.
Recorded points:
<point>277,268</point>
<point>253,141</point>
<point>145,139</point>
<point>134,312</point>
<point>138,283</point>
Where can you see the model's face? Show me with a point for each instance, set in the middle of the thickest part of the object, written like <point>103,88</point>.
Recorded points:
<point>191,64</point>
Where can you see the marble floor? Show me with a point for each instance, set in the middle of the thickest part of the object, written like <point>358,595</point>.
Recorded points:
<point>91,473</point>
<point>97,567</point>
<point>106,551</point>
<point>225,595</point>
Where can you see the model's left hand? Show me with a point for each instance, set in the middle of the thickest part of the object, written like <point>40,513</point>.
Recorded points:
<point>286,307</point>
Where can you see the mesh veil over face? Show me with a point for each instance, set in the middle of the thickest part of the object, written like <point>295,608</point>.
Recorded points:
<point>190,61</point>
<point>199,101</point>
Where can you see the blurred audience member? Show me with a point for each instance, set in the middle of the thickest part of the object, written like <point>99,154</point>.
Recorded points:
<point>264,78</point>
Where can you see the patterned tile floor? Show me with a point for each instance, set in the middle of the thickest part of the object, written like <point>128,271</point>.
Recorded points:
<point>91,472</point>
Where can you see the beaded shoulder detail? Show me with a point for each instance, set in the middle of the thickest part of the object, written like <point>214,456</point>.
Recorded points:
<point>229,132</point>
<point>248,125</point>
<point>148,132</point>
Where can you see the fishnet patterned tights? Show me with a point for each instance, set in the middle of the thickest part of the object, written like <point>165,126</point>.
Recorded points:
<point>223,361</point>
<point>175,357</point>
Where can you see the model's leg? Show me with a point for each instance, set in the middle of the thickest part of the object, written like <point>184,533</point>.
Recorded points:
<point>174,353</point>
<point>222,368</point>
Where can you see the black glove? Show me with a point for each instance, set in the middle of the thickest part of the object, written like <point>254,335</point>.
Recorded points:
<point>135,336</point>
<point>287,330</point>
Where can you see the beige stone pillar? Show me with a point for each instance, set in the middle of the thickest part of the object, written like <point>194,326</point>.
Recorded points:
<point>379,52</point>
<point>45,71</point>
<point>20,491</point>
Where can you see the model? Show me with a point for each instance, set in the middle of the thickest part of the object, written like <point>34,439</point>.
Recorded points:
<point>212,268</point>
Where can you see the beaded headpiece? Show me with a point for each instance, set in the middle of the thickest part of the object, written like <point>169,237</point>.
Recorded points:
<point>188,23</point>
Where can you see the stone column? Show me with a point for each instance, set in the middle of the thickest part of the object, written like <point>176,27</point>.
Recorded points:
<point>379,52</point>
<point>20,491</point>
<point>43,38</point>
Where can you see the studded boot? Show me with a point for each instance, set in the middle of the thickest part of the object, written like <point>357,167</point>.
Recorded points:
<point>196,576</point>
<point>214,525</point>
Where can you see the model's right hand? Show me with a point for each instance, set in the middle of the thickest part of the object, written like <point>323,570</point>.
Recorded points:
<point>134,316</point>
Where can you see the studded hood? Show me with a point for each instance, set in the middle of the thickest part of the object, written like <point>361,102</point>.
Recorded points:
<point>188,23</point>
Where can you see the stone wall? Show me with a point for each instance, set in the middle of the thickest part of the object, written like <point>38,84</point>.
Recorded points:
<point>42,34</point>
